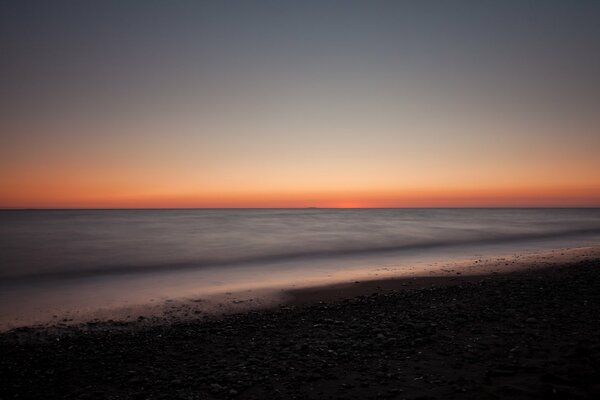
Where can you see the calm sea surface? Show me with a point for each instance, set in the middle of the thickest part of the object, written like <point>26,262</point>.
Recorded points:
<point>67,243</point>
<point>81,254</point>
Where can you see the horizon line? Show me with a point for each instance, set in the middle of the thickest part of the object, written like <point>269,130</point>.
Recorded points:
<point>285,208</point>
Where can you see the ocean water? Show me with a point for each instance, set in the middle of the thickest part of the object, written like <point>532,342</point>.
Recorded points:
<point>57,243</point>
<point>56,259</point>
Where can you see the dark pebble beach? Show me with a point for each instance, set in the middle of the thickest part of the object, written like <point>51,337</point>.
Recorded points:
<point>524,335</point>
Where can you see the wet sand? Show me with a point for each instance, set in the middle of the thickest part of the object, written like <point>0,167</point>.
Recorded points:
<point>446,274</point>
<point>530,333</point>
<point>196,298</point>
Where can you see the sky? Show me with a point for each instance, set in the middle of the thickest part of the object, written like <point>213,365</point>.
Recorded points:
<point>299,103</point>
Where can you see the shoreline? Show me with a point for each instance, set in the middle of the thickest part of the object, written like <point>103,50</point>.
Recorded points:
<point>529,333</point>
<point>447,274</point>
<point>401,277</point>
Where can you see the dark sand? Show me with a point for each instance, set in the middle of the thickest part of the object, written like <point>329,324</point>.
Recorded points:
<point>527,334</point>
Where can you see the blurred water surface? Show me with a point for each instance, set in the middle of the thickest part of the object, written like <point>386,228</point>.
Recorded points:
<point>42,244</point>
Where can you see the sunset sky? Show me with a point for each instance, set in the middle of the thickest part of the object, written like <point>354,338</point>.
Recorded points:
<point>299,103</point>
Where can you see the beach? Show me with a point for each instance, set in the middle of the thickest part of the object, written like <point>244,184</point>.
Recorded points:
<point>74,266</point>
<point>528,332</point>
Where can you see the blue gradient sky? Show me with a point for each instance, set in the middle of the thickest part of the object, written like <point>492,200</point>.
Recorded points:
<point>298,103</point>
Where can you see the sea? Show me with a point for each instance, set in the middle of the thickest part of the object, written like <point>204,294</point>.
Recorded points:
<point>72,262</point>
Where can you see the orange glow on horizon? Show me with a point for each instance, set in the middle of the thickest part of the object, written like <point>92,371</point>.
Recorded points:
<point>546,197</point>
<point>369,105</point>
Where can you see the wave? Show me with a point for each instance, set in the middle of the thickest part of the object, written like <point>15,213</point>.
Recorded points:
<point>312,254</point>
